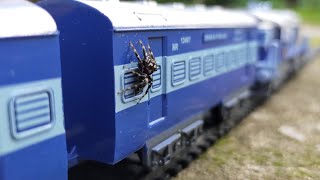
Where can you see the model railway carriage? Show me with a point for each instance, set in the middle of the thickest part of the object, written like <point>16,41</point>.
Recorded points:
<point>32,136</point>
<point>113,108</point>
<point>282,50</point>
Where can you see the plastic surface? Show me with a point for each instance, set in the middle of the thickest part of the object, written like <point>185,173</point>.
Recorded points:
<point>19,18</point>
<point>204,61</point>
<point>96,59</point>
<point>132,16</point>
<point>32,134</point>
<point>92,59</point>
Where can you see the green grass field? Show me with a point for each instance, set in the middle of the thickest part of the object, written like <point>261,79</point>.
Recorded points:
<point>310,16</point>
<point>315,42</point>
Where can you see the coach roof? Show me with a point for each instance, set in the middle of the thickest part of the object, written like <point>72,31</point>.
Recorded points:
<point>19,18</point>
<point>281,17</point>
<point>124,15</point>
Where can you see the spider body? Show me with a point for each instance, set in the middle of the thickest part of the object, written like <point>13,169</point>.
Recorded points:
<point>146,67</point>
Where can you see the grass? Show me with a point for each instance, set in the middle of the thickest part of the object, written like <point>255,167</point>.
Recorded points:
<point>315,42</point>
<point>309,16</point>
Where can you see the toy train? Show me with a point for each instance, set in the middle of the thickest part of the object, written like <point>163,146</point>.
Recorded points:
<point>134,78</point>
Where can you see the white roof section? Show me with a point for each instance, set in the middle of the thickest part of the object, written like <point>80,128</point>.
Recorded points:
<point>19,18</point>
<point>266,25</point>
<point>284,18</point>
<point>125,15</point>
<point>287,20</point>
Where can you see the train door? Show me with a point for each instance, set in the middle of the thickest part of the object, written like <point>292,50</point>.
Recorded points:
<point>157,97</point>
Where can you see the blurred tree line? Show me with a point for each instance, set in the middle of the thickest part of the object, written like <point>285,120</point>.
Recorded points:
<point>309,10</point>
<point>310,4</point>
<point>306,4</point>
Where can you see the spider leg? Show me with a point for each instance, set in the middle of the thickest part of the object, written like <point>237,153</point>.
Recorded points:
<point>140,89</point>
<point>150,82</point>
<point>149,86</point>
<point>135,52</point>
<point>127,89</point>
<point>135,86</point>
<point>152,56</point>
<point>137,73</point>
<point>140,75</point>
<point>150,52</point>
<point>156,67</point>
<point>143,49</point>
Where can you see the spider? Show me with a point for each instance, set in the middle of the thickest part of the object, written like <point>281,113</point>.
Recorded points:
<point>143,73</point>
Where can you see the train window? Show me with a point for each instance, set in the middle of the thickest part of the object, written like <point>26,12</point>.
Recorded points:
<point>156,80</point>
<point>194,68</point>
<point>31,113</point>
<point>128,80</point>
<point>277,33</point>
<point>294,34</point>
<point>208,65</point>
<point>219,62</point>
<point>178,74</point>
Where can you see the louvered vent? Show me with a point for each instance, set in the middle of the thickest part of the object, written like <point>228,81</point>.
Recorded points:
<point>208,65</point>
<point>156,79</point>
<point>241,54</point>
<point>234,58</point>
<point>253,54</point>
<point>178,72</point>
<point>245,54</point>
<point>129,79</point>
<point>227,59</point>
<point>32,111</point>
<point>195,68</point>
<point>219,62</point>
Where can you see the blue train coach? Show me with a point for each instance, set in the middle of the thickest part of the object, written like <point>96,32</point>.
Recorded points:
<point>138,78</point>
<point>32,135</point>
<point>282,49</point>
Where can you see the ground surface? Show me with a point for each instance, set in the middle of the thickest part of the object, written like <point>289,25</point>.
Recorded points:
<point>279,140</point>
<point>313,33</point>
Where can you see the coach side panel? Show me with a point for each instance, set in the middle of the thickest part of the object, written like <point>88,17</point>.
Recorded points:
<point>197,69</point>
<point>32,135</point>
